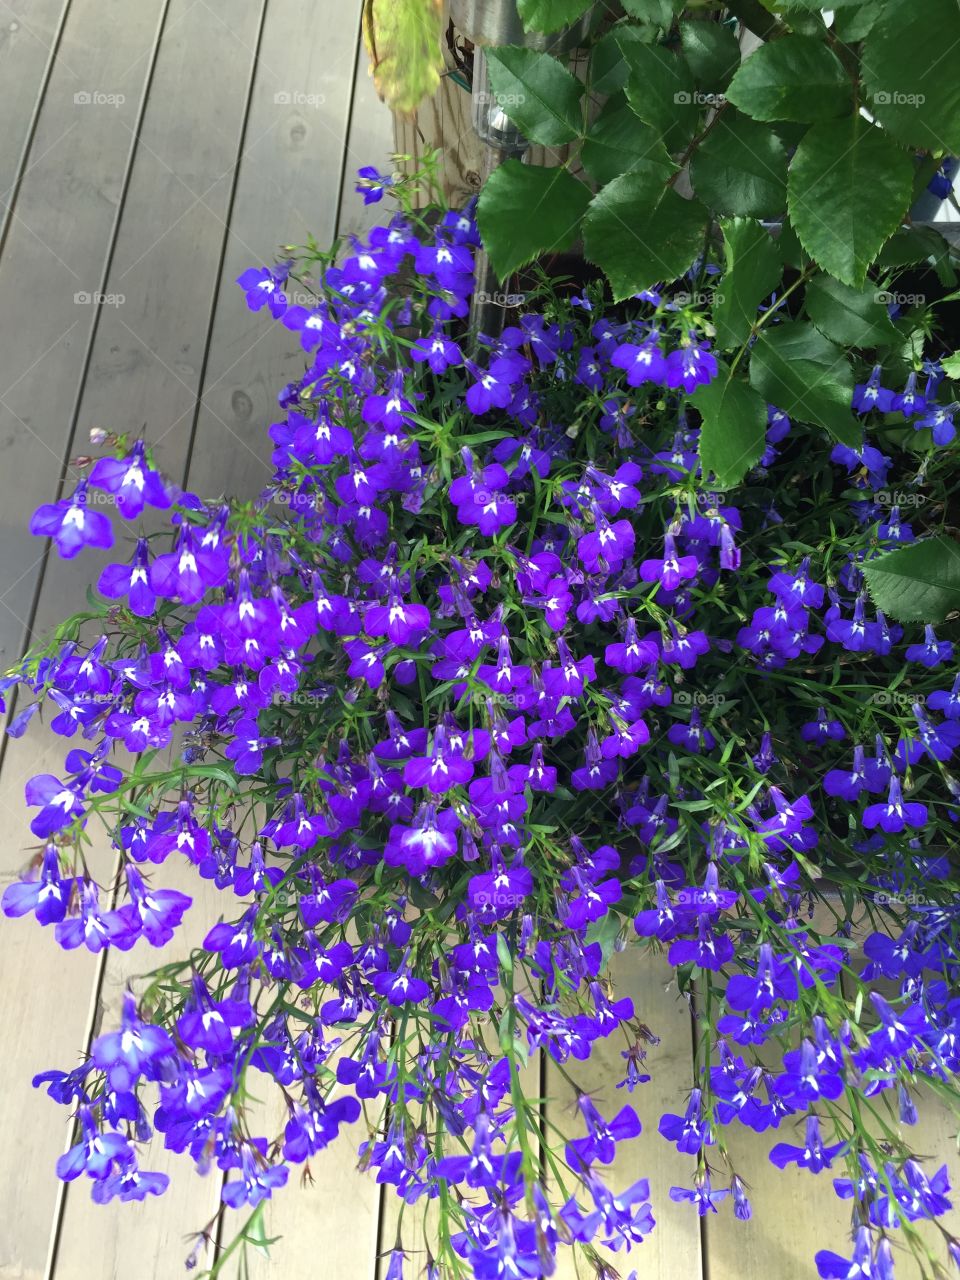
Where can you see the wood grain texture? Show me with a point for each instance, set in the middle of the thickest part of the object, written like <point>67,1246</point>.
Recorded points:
<point>370,140</point>
<point>46,1009</point>
<point>59,236</point>
<point>53,263</point>
<point>29,32</point>
<point>145,364</point>
<point>672,1251</point>
<point>151,1239</point>
<point>288,189</point>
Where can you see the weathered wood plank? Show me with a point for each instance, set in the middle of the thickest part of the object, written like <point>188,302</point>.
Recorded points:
<point>288,189</point>
<point>781,1243</point>
<point>329,1221</point>
<point>46,1007</point>
<point>370,140</point>
<point>149,1239</point>
<point>444,123</point>
<point>56,247</point>
<point>672,1251</point>
<point>53,263</point>
<point>29,32</point>
<point>145,366</point>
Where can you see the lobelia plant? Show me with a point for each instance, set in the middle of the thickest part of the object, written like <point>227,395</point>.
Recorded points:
<point>572,640</point>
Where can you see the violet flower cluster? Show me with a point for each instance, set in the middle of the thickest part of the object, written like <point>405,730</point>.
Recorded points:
<point>491,681</point>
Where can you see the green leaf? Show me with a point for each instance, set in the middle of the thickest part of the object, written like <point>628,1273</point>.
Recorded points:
<point>504,954</point>
<point>910,245</point>
<point>796,368</point>
<point>609,69</point>
<point>659,12</point>
<point>712,52</point>
<point>909,68</point>
<point>618,143</point>
<point>848,189</point>
<point>790,247</point>
<point>525,210</point>
<point>733,434</point>
<point>640,232</point>
<point>550,15</point>
<point>539,95</point>
<point>851,317</point>
<point>854,25</point>
<point>812,6</point>
<point>604,931</point>
<point>661,91</point>
<point>741,168</point>
<point>796,78</point>
<point>951,365</point>
<point>916,583</point>
<point>753,270</point>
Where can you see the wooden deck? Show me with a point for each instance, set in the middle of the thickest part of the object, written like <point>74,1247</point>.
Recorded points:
<point>150,150</point>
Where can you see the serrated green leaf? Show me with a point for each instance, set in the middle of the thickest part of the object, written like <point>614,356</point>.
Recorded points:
<point>951,365</point>
<point>550,15</point>
<point>850,317</point>
<point>661,91</point>
<point>854,24</point>
<point>660,12</point>
<point>525,210</point>
<point>640,232</point>
<point>753,270</point>
<point>794,367</point>
<point>796,78</point>
<point>916,583</point>
<point>712,52</point>
<point>741,168</point>
<point>848,189</point>
<point>538,94</point>
<point>618,143</point>
<point>733,434</point>
<point>909,69</point>
<point>609,69</point>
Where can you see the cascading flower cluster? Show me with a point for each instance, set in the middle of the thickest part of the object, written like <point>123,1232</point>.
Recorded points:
<point>488,680</point>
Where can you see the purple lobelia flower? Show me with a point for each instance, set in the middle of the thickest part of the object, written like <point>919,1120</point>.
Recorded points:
<point>672,570</point>
<point>72,524</point>
<point>896,814</point>
<point>371,184</point>
<point>132,482</point>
